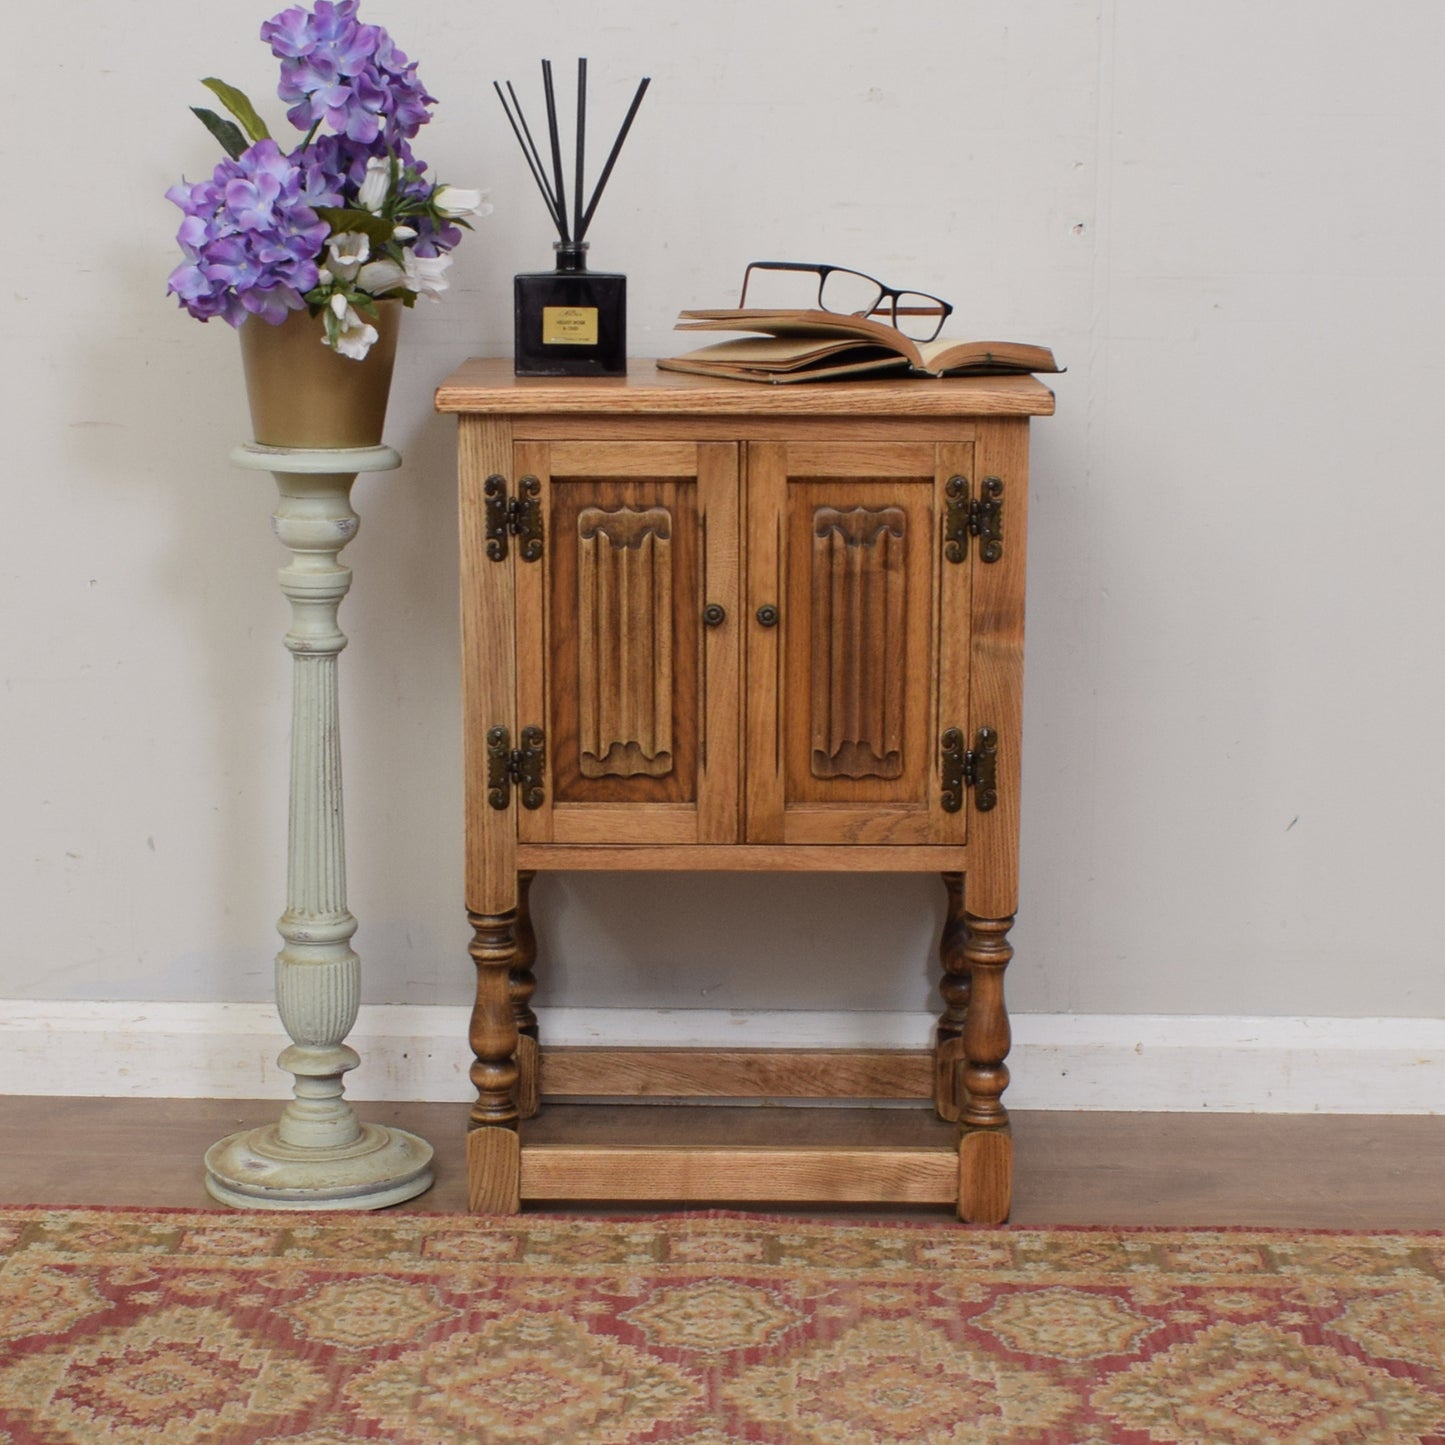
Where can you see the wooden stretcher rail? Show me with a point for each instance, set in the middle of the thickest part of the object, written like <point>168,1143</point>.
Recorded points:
<point>737,1073</point>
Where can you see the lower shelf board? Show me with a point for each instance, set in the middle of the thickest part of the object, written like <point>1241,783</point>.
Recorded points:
<point>673,1172</point>
<point>689,1154</point>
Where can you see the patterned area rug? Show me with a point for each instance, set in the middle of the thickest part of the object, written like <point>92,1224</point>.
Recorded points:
<point>135,1327</point>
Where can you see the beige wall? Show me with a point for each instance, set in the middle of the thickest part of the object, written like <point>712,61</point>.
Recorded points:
<point>1225,218</point>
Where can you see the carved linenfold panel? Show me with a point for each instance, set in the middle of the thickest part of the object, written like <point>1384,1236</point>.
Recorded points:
<point>624,616</point>
<point>859,662</point>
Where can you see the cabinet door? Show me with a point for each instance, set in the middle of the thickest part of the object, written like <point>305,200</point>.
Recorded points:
<point>865,666</point>
<point>638,696</point>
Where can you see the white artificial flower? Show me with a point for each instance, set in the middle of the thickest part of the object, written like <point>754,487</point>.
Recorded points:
<point>348,251</point>
<point>426,275</point>
<point>376,185</point>
<point>404,233</point>
<point>423,275</point>
<point>339,305</point>
<point>356,336</point>
<point>455,201</point>
<point>377,278</point>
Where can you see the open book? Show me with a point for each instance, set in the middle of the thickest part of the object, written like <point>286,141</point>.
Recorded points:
<point>822,345</point>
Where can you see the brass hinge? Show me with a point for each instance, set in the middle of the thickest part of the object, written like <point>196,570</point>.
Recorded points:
<point>980,516</point>
<point>519,517</point>
<point>975,767</point>
<point>520,768</point>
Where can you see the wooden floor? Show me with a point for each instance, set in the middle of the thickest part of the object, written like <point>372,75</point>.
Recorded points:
<point>1310,1171</point>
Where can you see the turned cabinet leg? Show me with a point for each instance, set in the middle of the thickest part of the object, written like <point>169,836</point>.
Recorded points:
<point>523,983</point>
<point>494,1153</point>
<point>948,1037</point>
<point>985,1148</point>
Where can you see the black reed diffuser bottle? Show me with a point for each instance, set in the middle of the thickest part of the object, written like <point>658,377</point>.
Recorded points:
<point>569,321</point>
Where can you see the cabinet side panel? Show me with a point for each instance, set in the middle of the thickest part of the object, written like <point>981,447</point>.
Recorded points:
<point>951,641</point>
<point>532,581</point>
<point>996,672</point>
<point>488,665</point>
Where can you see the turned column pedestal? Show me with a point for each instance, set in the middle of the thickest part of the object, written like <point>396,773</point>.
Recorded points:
<point>319,1155</point>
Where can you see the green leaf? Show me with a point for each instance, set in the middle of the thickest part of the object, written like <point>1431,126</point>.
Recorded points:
<point>225,131</point>
<point>376,229</point>
<point>239,106</point>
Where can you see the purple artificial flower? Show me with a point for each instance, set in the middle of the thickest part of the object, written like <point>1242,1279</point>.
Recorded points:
<point>259,288</point>
<point>289,34</point>
<point>298,32</point>
<point>349,76</point>
<point>321,185</point>
<point>433,238</point>
<point>199,294</point>
<point>251,198</point>
<point>336,164</point>
<point>410,105</point>
<point>249,237</point>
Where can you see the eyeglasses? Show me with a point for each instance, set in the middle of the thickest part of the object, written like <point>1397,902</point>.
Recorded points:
<point>918,316</point>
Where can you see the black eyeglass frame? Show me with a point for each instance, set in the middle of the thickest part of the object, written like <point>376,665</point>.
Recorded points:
<point>891,294</point>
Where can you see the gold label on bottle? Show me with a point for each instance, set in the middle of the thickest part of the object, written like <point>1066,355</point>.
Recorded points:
<point>569,326</point>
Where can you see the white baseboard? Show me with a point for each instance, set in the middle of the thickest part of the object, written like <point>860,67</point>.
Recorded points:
<point>1058,1061</point>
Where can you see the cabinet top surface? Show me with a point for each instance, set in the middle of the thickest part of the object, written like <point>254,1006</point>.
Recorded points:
<point>490,386</point>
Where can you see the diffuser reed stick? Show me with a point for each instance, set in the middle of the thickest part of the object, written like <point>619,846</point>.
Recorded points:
<point>571,231</point>
<point>561,191</point>
<point>581,138</point>
<point>529,149</point>
<point>612,159</point>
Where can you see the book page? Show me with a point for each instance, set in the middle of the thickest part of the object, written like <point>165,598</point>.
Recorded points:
<point>818,324</point>
<point>779,353</point>
<point>950,354</point>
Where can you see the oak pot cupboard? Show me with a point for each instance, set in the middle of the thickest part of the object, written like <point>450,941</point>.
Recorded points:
<point>719,625</point>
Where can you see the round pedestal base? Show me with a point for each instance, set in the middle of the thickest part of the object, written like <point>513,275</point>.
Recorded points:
<point>256,1170</point>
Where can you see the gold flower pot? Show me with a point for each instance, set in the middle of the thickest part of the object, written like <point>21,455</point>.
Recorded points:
<point>304,394</point>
